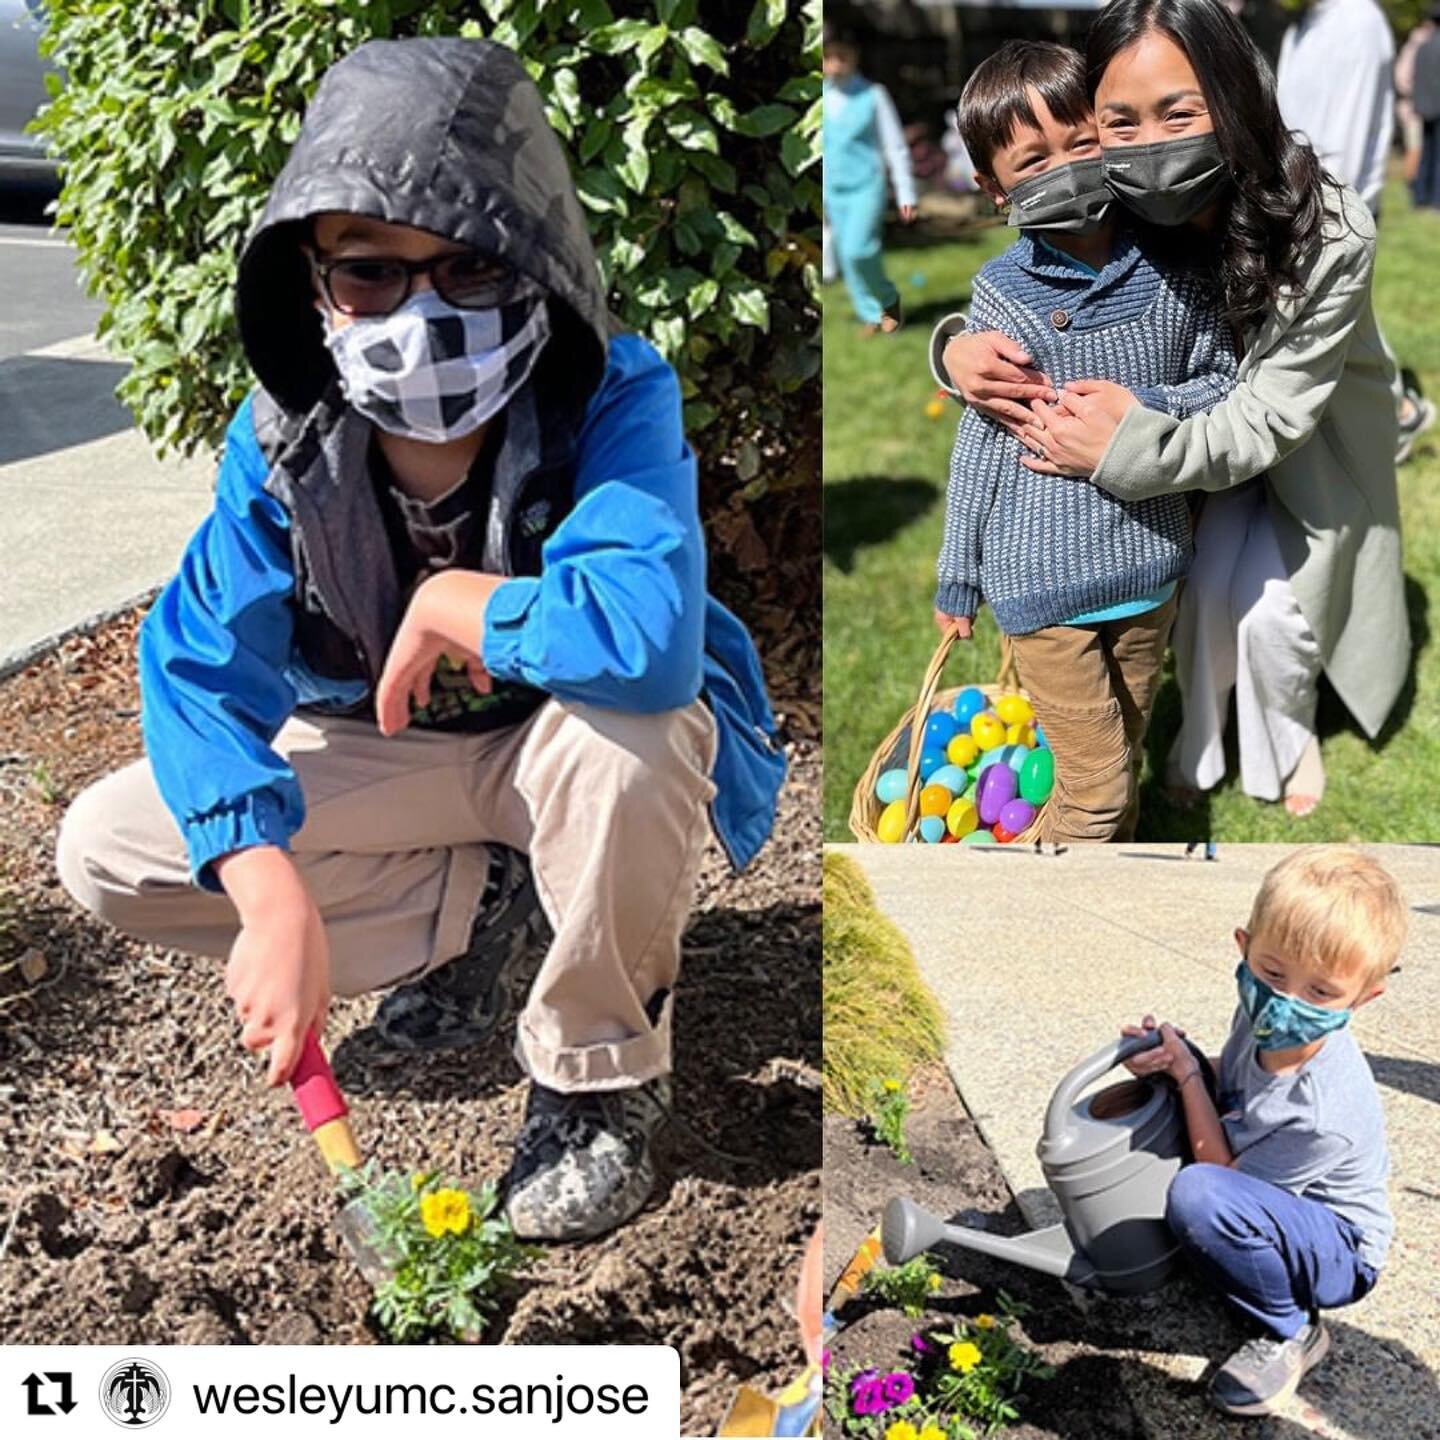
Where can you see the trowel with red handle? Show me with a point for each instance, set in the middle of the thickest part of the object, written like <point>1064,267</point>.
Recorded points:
<point>323,1109</point>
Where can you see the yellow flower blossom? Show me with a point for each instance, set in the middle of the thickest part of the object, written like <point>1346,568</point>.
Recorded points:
<point>902,1430</point>
<point>964,1357</point>
<point>985,1322</point>
<point>936,1282</point>
<point>445,1210</point>
<point>418,1179</point>
<point>932,1432</point>
<point>892,1086</point>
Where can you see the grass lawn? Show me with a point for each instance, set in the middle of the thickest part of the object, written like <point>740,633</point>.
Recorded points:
<point>885,469</point>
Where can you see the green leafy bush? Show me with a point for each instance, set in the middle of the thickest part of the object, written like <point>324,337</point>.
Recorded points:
<point>889,1105</point>
<point>909,1287</point>
<point>694,133</point>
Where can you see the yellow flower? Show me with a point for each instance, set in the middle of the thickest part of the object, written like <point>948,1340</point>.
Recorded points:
<point>902,1430</point>
<point>964,1357</point>
<point>445,1210</point>
<point>418,1179</point>
<point>892,1086</point>
<point>985,1322</point>
<point>932,1432</point>
<point>936,1282</point>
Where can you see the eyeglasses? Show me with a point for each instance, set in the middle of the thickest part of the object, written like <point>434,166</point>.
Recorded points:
<point>374,285</point>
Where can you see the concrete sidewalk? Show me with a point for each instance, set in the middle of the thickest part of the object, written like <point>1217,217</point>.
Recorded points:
<point>1037,960</point>
<point>89,518</point>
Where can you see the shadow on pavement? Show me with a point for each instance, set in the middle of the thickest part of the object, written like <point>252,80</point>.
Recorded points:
<point>50,403</point>
<point>871,510</point>
<point>1414,1077</point>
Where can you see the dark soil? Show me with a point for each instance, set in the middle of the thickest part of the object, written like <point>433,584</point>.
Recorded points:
<point>132,1223</point>
<point>955,1175</point>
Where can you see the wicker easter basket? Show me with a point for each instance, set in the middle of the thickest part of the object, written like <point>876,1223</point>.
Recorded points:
<point>902,746</point>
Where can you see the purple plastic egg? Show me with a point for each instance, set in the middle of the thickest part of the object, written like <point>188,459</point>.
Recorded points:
<point>1016,815</point>
<point>997,789</point>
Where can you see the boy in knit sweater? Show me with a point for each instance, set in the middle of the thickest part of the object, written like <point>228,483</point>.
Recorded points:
<point>1083,584</point>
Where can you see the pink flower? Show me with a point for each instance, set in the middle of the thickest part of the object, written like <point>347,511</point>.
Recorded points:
<point>919,1344</point>
<point>898,1387</point>
<point>869,1399</point>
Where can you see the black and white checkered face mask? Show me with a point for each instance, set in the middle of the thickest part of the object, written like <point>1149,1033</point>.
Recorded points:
<point>433,372</point>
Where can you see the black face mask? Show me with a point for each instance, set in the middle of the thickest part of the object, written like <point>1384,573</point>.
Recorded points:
<point>1070,197</point>
<point>1169,182</point>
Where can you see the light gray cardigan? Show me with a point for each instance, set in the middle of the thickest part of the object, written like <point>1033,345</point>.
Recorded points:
<point>1314,410</point>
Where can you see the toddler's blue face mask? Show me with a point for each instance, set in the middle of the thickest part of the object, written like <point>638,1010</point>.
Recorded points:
<point>1281,1022</point>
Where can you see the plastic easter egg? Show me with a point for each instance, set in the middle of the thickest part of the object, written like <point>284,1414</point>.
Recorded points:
<point>932,829</point>
<point>1013,756</point>
<point>1022,732</point>
<point>978,837</point>
<point>953,778</point>
<point>997,789</point>
<point>891,826</point>
<point>989,758</point>
<point>1014,709</point>
<point>931,759</point>
<point>949,839</point>
<point>961,818</point>
<point>891,786</point>
<point>968,704</point>
<point>1037,776</point>
<point>941,729</point>
<point>1001,834</point>
<point>1017,815</point>
<point>962,750</point>
<point>987,730</point>
<point>935,800</point>
<point>1040,739</point>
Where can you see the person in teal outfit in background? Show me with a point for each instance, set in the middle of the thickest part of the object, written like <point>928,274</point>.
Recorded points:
<point>863,139</point>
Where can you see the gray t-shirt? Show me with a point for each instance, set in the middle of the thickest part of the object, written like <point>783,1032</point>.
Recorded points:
<point>1319,1132</point>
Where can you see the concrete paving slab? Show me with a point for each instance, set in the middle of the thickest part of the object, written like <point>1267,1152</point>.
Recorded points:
<point>1035,960</point>
<point>89,518</point>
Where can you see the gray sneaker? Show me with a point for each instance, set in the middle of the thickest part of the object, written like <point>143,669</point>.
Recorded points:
<point>1413,425</point>
<point>461,1002</point>
<point>582,1162</point>
<point>1265,1372</point>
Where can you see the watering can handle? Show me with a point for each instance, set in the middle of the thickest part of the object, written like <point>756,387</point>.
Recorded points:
<point>1068,1091</point>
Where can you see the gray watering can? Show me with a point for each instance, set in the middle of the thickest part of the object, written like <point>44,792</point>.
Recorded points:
<point>1109,1159</point>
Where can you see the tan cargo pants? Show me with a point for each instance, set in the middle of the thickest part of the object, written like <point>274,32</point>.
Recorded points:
<point>1093,688</point>
<point>610,806</point>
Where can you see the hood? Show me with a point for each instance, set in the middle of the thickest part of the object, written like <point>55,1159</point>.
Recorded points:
<point>447,135</point>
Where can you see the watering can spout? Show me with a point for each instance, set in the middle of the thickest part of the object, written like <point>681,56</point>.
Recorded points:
<point>908,1231</point>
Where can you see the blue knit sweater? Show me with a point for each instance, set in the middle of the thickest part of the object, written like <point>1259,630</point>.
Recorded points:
<point>1042,548</point>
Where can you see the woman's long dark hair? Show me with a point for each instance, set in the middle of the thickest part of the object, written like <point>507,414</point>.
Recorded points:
<point>1276,202</point>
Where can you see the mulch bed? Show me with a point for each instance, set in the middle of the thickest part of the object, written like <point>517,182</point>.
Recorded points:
<point>955,1174</point>
<point>154,1192</point>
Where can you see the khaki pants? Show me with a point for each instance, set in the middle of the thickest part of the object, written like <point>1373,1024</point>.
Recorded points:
<point>1093,687</point>
<point>610,807</point>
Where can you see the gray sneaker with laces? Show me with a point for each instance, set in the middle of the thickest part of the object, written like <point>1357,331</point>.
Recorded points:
<point>1265,1372</point>
<point>461,1002</point>
<point>582,1162</point>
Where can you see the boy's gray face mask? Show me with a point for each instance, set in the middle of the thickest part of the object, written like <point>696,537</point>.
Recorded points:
<point>1070,197</point>
<point>1169,182</point>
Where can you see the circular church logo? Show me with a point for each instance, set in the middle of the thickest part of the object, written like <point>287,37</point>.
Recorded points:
<point>134,1393</point>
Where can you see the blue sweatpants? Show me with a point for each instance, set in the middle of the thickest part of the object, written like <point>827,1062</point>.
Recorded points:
<point>1276,1257</point>
<point>857,223</point>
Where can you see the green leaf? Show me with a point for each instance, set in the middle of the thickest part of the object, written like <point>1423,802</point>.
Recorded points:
<point>692,132</point>
<point>749,306</point>
<point>703,49</point>
<point>732,229</point>
<point>600,190</point>
<point>593,141</point>
<point>720,173</point>
<point>617,39</point>
<point>701,297</point>
<point>765,19</point>
<point>766,120</point>
<point>797,153</point>
<point>634,170</point>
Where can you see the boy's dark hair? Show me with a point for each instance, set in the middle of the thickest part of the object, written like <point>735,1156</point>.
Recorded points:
<point>839,36</point>
<point>993,102</point>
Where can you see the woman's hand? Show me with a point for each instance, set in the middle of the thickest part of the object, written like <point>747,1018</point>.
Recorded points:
<point>996,376</point>
<point>1071,436</point>
<point>445,617</point>
<point>962,625</point>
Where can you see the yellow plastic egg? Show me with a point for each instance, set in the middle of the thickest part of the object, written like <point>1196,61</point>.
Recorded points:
<point>935,800</point>
<point>1022,732</point>
<point>962,751</point>
<point>987,730</point>
<point>1014,709</point>
<point>962,817</point>
<point>891,828</point>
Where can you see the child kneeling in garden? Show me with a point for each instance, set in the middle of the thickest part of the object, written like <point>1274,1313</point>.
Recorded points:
<point>448,611</point>
<point>1083,584</point>
<point>1286,1213</point>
